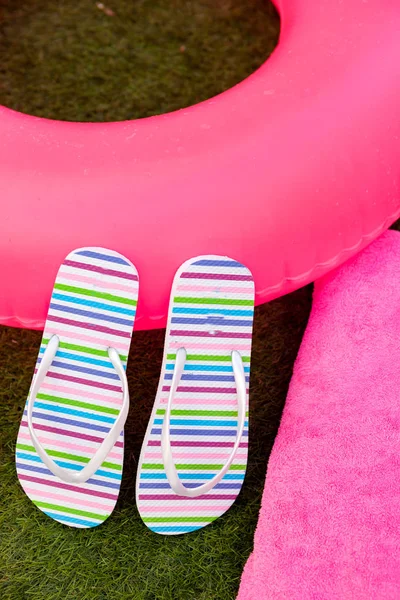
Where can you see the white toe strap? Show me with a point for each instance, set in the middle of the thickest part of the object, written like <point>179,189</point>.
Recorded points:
<point>169,465</point>
<point>109,441</point>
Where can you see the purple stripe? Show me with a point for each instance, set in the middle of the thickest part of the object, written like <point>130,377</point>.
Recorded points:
<point>202,390</point>
<point>107,257</point>
<point>79,265</point>
<point>201,444</point>
<point>175,497</point>
<point>209,262</point>
<point>104,386</point>
<point>79,369</point>
<point>65,486</point>
<point>74,434</point>
<point>98,482</point>
<point>219,432</point>
<point>205,334</point>
<point>223,486</point>
<point>99,328</point>
<point>55,419</point>
<point>91,315</point>
<point>166,486</point>
<point>226,277</point>
<point>212,321</point>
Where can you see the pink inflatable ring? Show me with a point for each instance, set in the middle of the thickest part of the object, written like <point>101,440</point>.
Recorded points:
<point>290,172</point>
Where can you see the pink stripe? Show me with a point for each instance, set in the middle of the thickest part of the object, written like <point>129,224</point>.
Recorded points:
<point>96,384</point>
<point>75,434</point>
<point>79,337</point>
<point>158,455</point>
<point>185,444</point>
<point>174,498</point>
<point>188,389</point>
<point>61,444</point>
<point>99,282</point>
<point>211,289</point>
<point>102,270</point>
<point>76,323</point>
<point>64,486</point>
<point>81,502</point>
<point>211,346</point>
<point>216,276</point>
<point>82,393</point>
<point>200,401</point>
<point>196,333</point>
<point>188,509</point>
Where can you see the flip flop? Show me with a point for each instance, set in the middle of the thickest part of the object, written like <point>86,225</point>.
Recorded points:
<point>194,454</point>
<point>69,452</point>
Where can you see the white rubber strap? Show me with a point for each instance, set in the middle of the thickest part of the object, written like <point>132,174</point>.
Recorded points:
<point>169,465</point>
<point>109,441</point>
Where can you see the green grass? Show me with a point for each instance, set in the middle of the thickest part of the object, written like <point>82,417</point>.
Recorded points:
<point>67,59</point>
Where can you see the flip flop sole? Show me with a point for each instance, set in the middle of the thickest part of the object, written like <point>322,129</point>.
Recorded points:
<point>92,307</point>
<point>210,315</point>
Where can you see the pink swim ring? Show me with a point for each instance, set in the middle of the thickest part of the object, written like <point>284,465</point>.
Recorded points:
<point>290,172</point>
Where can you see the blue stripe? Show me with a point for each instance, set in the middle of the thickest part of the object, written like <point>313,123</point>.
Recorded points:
<point>191,476</point>
<point>233,312</point>
<point>73,412</point>
<point>213,321</point>
<point>207,262</point>
<point>219,368</point>
<point>93,304</point>
<point>198,423</point>
<point>108,484</point>
<point>176,529</point>
<point>219,432</point>
<point>68,367</point>
<point>91,315</point>
<point>106,257</point>
<point>53,418</point>
<point>68,465</point>
<point>194,377</point>
<point>81,358</point>
<point>68,519</point>
<point>166,486</point>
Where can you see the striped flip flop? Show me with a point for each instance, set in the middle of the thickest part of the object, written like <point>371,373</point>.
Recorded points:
<point>194,454</point>
<point>70,445</point>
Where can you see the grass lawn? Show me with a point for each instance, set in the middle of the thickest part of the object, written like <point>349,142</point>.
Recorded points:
<point>67,59</point>
<point>72,60</point>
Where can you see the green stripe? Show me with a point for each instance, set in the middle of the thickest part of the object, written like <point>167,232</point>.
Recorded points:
<point>69,402</point>
<point>72,511</point>
<point>194,467</point>
<point>215,358</point>
<point>233,302</point>
<point>179,519</point>
<point>92,293</point>
<point>68,456</point>
<point>84,349</point>
<point>201,413</point>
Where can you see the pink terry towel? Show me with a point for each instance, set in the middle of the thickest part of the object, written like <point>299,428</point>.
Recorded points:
<point>329,525</point>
